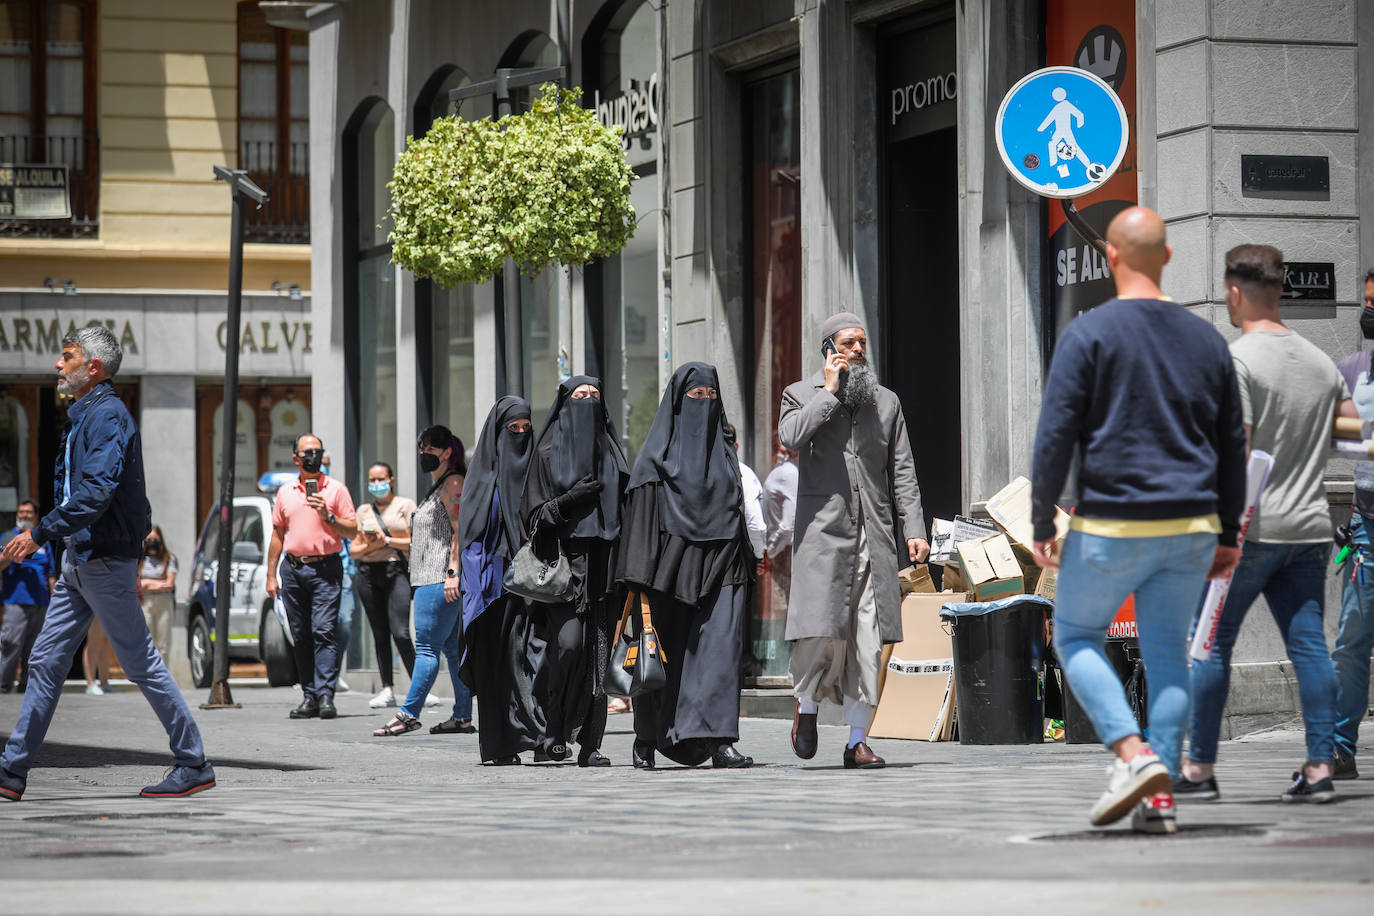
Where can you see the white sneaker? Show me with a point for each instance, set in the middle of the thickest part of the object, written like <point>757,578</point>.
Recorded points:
<point>384,700</point>
<point>94,691</point>
<point>1144,776</point>
<point>432,700</point>
<point>1155,814</point>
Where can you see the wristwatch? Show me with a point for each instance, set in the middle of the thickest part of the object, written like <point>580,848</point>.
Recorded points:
<point>450,573</point>
<point>331,518</point>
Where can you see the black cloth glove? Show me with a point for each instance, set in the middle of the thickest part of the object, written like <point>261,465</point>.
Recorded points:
<point>555,512</point>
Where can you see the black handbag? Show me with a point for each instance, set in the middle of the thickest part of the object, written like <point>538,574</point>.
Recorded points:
<point>536,579</point>
<point>637,661</point>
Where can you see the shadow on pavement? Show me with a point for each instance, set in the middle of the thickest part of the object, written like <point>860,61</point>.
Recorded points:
<point>59,754</point>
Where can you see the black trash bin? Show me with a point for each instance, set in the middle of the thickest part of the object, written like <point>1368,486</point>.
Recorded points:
<point>1124,654</point>
<point>999,656</point>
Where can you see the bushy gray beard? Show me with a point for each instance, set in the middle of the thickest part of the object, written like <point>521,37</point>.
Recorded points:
<point>860,386</point>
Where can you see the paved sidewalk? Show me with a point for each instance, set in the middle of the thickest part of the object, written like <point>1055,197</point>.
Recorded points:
<point>321,817</point>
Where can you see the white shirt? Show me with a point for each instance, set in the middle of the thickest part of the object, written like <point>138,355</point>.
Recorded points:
<point>753,508</point>
<point>780,504</point>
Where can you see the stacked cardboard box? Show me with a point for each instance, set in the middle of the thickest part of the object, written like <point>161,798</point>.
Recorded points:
<point>917,678</point>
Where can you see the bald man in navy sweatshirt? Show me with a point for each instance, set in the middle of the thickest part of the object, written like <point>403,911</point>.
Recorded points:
<point>1144,394</point>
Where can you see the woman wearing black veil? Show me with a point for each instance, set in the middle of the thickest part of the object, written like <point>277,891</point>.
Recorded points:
<point>685,544</point>
<point>572,501</point>
<point>501,652</point>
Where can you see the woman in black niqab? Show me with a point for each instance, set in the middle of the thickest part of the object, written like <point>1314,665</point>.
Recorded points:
<point>501,651</point>
<point>572,504</point>
<point>684,545</point>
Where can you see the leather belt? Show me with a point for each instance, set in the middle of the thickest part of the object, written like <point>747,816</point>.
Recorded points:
<point>297,562</point>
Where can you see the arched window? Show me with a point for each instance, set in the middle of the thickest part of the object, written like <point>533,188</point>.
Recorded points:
<point>446,360</point>
<point>369,158</point>
<point>538,294</point>
<point>620,72</point>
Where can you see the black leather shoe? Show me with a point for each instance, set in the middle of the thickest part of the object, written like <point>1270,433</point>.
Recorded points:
<point>727,758</point>
<point>642,756</point>
<point>309,709</point>
<point>592,758</point>
<point>861,757</point>
<point>327,710</point>
<point>511,760</point>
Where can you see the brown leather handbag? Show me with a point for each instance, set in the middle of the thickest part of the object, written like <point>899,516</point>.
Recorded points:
<point>637,661</point>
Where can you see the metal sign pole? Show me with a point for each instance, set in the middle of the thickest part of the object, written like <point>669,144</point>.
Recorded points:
<point>242,187</point>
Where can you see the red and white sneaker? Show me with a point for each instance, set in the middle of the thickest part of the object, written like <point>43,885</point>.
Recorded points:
<point>1155,814</point>
<point>1144,776</point>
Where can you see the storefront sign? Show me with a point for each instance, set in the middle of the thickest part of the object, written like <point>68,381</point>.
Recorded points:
<point>1309,280</point>
<point>34,192</point>
<point>44,335</point>
<point>919,81</point>
<point>933,90</point>
<point>268,336</point>
<point>635,112</point>
<point>1285,176</point>
<point>159,334</point>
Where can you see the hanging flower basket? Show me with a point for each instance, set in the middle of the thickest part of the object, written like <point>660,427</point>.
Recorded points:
<point>548,186</point>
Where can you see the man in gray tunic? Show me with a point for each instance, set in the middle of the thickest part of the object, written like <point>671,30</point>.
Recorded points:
<point>857,481</point>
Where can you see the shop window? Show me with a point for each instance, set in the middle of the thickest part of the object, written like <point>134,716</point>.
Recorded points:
<point>772,144</point>
<point>369,154</point>
<point>447,367</point>
<point>622,291</point>
<point>539,327</point>
<point>47,107</point>
<point>274,125</point>
<point>14,458</point>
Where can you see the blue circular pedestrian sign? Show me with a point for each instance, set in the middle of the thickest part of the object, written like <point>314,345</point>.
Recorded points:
<point>1062,132</point>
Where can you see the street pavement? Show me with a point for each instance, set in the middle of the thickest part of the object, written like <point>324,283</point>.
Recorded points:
<point>320,817</point>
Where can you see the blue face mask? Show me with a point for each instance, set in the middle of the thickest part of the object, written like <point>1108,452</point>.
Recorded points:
<point>379,488</point>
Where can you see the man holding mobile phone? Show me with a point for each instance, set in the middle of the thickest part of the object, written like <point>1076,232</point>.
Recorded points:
<point>310,518</point>
<point>857,484</point>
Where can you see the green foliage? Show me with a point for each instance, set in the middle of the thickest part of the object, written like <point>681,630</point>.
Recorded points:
<point>549,186</point>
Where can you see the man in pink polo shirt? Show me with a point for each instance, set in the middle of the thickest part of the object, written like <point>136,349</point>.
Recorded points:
<point>310,518</point>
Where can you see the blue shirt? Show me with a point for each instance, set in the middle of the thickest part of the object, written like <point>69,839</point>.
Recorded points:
<point>483,570</point>
<point>102,504</point>
<point>1145,395</point>
<point>26,582</point>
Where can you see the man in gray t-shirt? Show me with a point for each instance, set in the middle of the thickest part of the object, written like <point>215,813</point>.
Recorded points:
<point>1290,392</point>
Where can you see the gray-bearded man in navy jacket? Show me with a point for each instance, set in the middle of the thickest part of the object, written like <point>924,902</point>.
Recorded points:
<point>1145,395</point>
<point>102,515</point>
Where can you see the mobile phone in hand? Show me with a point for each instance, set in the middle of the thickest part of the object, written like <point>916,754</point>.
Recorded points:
<point>828,347</point>
<point>312,486</point>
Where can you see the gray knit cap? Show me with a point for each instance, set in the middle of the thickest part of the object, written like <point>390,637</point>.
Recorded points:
<point>837,323</point>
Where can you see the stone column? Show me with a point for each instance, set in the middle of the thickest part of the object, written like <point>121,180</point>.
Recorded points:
<point>167,423</point>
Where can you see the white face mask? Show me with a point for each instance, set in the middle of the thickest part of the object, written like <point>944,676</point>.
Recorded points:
<point>24,524</point>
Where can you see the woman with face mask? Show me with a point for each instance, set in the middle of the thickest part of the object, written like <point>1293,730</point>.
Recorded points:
<point>572,502</point>
<point>438,593</point>
<point>382,551</point>
<point>501,652</point>
<point>157,579</point>
<point>685,545</point>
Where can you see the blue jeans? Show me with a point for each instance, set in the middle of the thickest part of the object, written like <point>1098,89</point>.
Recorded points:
<point>1167,576</point>
<point>1354,640</point>
<point>438,626</point>
<point>1292,578</point>
<point>104,589</point>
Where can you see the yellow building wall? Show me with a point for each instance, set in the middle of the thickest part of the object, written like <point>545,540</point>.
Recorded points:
<point>168,111</point>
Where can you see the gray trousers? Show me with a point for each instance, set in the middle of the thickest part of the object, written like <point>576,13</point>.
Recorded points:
<point>107,590</point>
<point>20,628</point>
